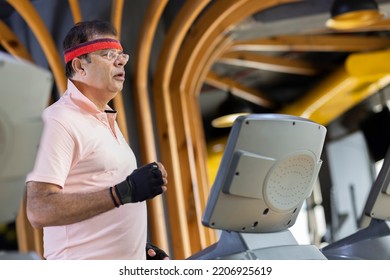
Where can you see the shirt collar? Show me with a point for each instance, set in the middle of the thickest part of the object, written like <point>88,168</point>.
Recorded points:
<point>84,103</point>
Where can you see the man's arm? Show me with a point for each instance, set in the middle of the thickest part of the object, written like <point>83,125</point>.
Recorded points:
<point>48,205</point>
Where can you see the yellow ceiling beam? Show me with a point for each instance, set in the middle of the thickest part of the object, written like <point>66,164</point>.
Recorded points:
<point>335,95</point>
<point>371,63</point>
<point>341,91</point>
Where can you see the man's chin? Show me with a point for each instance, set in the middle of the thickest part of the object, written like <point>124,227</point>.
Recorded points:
<point>118,88</point>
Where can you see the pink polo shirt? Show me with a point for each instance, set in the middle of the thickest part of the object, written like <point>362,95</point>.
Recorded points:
<point>82,149</point>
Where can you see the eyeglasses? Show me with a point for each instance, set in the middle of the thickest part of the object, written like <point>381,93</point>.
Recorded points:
<point>112,55</point>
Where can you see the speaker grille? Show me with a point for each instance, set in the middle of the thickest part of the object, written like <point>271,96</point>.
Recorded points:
<point>288,182</point>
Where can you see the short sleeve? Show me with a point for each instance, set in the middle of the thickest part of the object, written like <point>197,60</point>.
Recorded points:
<point>56,153</point>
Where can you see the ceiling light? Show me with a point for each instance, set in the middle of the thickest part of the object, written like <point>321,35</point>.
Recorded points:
<point>229,110</point>
<point>349,14</point>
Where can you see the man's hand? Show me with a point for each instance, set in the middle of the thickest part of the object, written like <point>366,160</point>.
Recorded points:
<point>144,183</point>
<point>155,253</point>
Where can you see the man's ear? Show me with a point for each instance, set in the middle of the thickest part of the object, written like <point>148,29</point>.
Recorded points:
<point>78,66</point>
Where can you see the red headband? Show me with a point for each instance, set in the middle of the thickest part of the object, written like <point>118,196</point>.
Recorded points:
<point>91,46</point>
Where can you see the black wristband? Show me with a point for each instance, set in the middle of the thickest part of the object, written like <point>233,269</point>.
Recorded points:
<point>113,198</point>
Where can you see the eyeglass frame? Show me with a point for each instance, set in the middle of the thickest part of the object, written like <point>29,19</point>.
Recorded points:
<point>112,55</point>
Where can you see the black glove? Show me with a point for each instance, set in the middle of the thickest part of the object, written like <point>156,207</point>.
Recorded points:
<point>144,183</point>
<point>160,254</point>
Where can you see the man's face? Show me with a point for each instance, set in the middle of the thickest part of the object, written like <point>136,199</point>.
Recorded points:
<point>105,74</point>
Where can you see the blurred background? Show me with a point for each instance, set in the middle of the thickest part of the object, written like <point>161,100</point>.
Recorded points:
<point>194,61</point>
